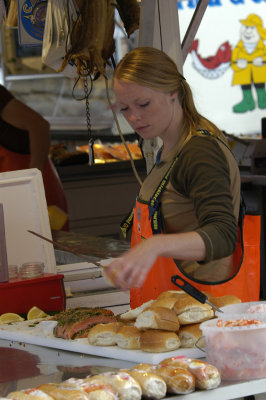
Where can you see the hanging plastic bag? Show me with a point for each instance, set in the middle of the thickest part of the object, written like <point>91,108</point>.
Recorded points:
<point>61,15</point>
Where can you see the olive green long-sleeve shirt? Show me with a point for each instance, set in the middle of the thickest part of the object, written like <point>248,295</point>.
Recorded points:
<point>203,194</point>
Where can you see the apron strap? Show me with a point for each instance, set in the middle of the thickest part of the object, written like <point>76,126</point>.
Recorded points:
<point>127,223</point>
<point>154,205</point>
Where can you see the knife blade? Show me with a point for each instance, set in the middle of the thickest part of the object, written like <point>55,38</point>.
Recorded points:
<point>192,291</point>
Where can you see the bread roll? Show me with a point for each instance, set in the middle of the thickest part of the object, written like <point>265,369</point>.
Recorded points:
<point>170,293</point>
<point>66,393</point>
<point>152,385</point>
<point>167,302</point>
<point>132,314</point>
<point>47,387</point>
<point>128,337</point>
<point>191,311</point>
<point>207,375</point>
<point>179,361</point>
<point>178,380</point>
<point>145,367</point>
<point>94,391</point>
<point>159,341</point>
<point>191,336</point>
<point>31,394</point>
<point>126,386</point>
<point>225,300</point>
<point>102,394</point>
<point>104,334</point>
<point>158,318</point>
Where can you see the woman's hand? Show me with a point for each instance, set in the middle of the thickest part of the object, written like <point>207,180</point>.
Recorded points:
<point>131,269</point>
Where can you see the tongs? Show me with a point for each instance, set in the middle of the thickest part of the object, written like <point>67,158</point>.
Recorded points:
<point>192,291</point>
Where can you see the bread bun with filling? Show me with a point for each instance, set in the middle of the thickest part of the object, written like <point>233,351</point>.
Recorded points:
<point>104,334</point>
<point>191,335</point>
<point>178,361</point>
<point>66,393</point>
<point>158,318</point>
<point>128,337</point>
<point>159,341</point>
<point>145,367</point>
<point>191,311</point>
<point>94,391</point>
<point>207,375</point>
<point>152,385</point>
<point>178,380</point>
<point>102,394</point>
<point>133,313</point>
<point>126,386</point>
<point>30,394</point>
<point>47,387</point>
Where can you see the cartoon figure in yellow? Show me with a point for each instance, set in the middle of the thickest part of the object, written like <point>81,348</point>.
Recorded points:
<point>249,64</point>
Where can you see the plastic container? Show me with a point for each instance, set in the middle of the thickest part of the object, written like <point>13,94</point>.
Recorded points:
<point>33,269</point>
<point>243,308</point>
<point>238,352</point>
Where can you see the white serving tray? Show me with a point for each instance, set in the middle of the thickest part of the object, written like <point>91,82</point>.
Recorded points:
<point>41,335</point>
<point>25,208</point>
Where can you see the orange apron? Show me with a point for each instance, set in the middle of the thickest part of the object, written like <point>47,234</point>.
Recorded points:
<point>11,161</point>
<point>244,283</point>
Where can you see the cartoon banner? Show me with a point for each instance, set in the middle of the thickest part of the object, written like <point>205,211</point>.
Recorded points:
<point>226,65</point>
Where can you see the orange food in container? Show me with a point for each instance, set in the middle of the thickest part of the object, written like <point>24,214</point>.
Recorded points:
<point>236,345</point>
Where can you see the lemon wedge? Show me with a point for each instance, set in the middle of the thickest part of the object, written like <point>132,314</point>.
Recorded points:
<point>36,313</point>
<point>10,317</point>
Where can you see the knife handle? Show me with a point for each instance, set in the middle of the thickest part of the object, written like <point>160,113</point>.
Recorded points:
<point>188,288</point>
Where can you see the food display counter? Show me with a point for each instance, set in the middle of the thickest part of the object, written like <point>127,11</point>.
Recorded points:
<point>23,366</point>
<point>101,195</point>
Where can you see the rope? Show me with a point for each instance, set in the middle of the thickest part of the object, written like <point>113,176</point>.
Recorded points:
<point>120,133</point>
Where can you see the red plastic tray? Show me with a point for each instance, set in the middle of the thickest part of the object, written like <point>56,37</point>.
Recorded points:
<point>46,292</point>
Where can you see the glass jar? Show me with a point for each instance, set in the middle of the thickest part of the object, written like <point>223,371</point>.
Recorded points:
<point>12,271</point>
<point>32,269</point>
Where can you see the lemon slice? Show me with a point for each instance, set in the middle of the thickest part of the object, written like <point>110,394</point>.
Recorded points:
<point>36,313</point>
<point>10,317</point>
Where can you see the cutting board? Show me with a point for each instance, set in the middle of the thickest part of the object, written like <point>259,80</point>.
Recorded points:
<point>41,335</point>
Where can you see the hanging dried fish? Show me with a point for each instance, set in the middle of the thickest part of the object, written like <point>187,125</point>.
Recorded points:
<point>109,42</point>
<point>129,11</point>
<point>92,42</point>
<point>12,15</point>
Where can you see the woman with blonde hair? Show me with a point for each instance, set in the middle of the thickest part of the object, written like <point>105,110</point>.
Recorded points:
<point>186,214</point>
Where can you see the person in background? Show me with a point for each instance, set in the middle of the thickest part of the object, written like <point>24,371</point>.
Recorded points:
<point>25,143</point>
<point>188,205</point>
